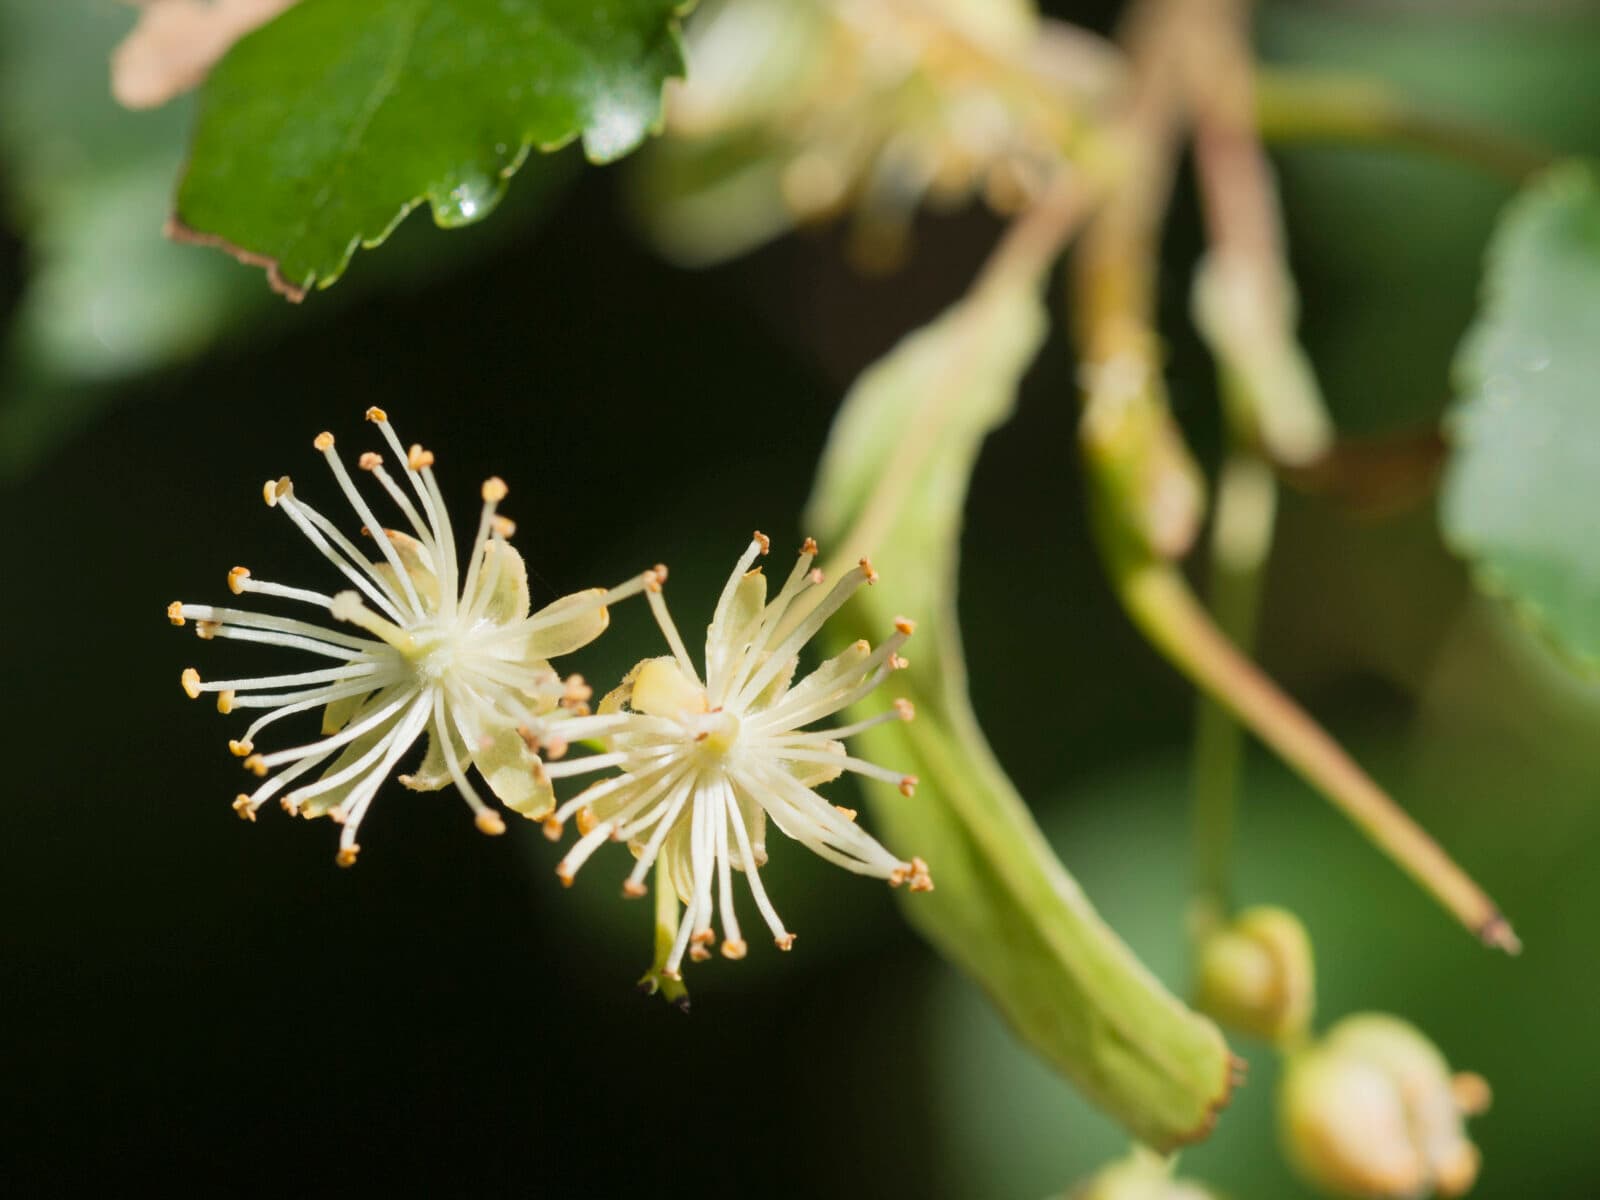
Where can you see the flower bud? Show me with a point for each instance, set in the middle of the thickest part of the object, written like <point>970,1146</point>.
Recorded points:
<point>1140,1176</point>
<point>1372,1110</point>
<point>1256,976</point>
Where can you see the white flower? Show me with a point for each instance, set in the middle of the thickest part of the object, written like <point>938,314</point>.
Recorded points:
<point>703,763</point>
<point>428,651</point>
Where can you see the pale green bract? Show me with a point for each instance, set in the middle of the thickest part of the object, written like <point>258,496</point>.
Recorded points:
<point>893,482</point>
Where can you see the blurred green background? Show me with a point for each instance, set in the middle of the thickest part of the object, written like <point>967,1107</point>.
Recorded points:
<point>190,999</point>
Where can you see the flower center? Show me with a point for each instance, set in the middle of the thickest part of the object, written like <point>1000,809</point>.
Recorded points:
<point>717,732</point>
<point>662,689</point>
<point>432,651</point>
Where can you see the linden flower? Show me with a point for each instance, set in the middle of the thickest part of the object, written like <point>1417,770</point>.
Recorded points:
<point>800,110</point>
<point>704,762</point>
<point>427,651</point>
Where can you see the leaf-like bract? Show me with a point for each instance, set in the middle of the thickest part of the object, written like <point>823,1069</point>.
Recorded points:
<point>893,483</point>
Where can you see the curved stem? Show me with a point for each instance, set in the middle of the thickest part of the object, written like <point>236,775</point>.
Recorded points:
<point>1166,611</point>
<point>1308,107</point>
<point>1240,541</point>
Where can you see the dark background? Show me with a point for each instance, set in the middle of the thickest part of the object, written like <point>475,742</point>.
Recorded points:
<point>208,1004</point>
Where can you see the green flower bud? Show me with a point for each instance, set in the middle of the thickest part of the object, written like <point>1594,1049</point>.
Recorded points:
<point>1140,1176</point>
<point>1256,975</point>
<point>1372,1110</point>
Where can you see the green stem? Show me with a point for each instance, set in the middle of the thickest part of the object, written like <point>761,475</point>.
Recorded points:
<point>1296,106</point>
<point>1240,542</point>
<point>1167,612</point>
<point>672,990</point>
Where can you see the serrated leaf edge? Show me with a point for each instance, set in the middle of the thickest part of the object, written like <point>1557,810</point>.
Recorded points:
<point>177,230</point>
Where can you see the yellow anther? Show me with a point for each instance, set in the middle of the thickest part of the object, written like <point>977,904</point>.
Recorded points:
<point>242,806</point>
<point>490,822</point>
<point>552,829</point>
<point>905,625</point>
<point>225,701</point>
<point>274,490</point>
<point>866,569</point>
<point>898,662</point>
<point>371,460</point>
<point>256,765</point>
<point>784,941</point>
<point>633,889</point>
<point>761,540</point>
<point>586,821</point>
<point>240,749</point>
<point>504,526</point>
<point>494,490</point>
<point>565,873</point>
<point>347,855</point>
<point>809,546</point>
<point>1471,1093</point>
<point>236,578</point>
<point>734,948</point>
<point>576,690</point>
<point>555,746</point>
<point>290,805</point>
<point>655,577</point>
<point>207,629</point>
<point>191,683</point>
<point>699,953</point>
<point>908,785</point>
<point>702,937</point>
<point>323,441</point>
<point>921,881</point>
<point>417,457</point>
<point>376,414</point>
<point>849,814</point>
<point>906,710</point>
<point>175,612</point>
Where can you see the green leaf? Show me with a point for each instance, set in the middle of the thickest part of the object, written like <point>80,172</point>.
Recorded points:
<point>1522,495</point>
<point>893,482</point>
<point>323,129</point>
<point>88,184</point>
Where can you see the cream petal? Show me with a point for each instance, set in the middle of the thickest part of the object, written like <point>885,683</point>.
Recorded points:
<point>417,566</point>
<point>587,622</point>
<point>812,774</point>
<point>434,773</point>
<point>755,824</point>
<point>836,676</point>
<point>512,772</point>
<point>337,715</point>
<point>734,623</point>
<point>508,602</point>
<point>324,802</point>
<point>774,691</point>
<point>678,859</point>
<point>661,689</point>
<point>620,698</point>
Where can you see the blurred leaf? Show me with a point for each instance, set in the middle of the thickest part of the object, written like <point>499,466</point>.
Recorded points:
<point>320,131</point>
<point>88,186</point>
<point>106,298</point>
<point>1522,492</point>
<point>1385,297</point>
<point>894,480</point>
